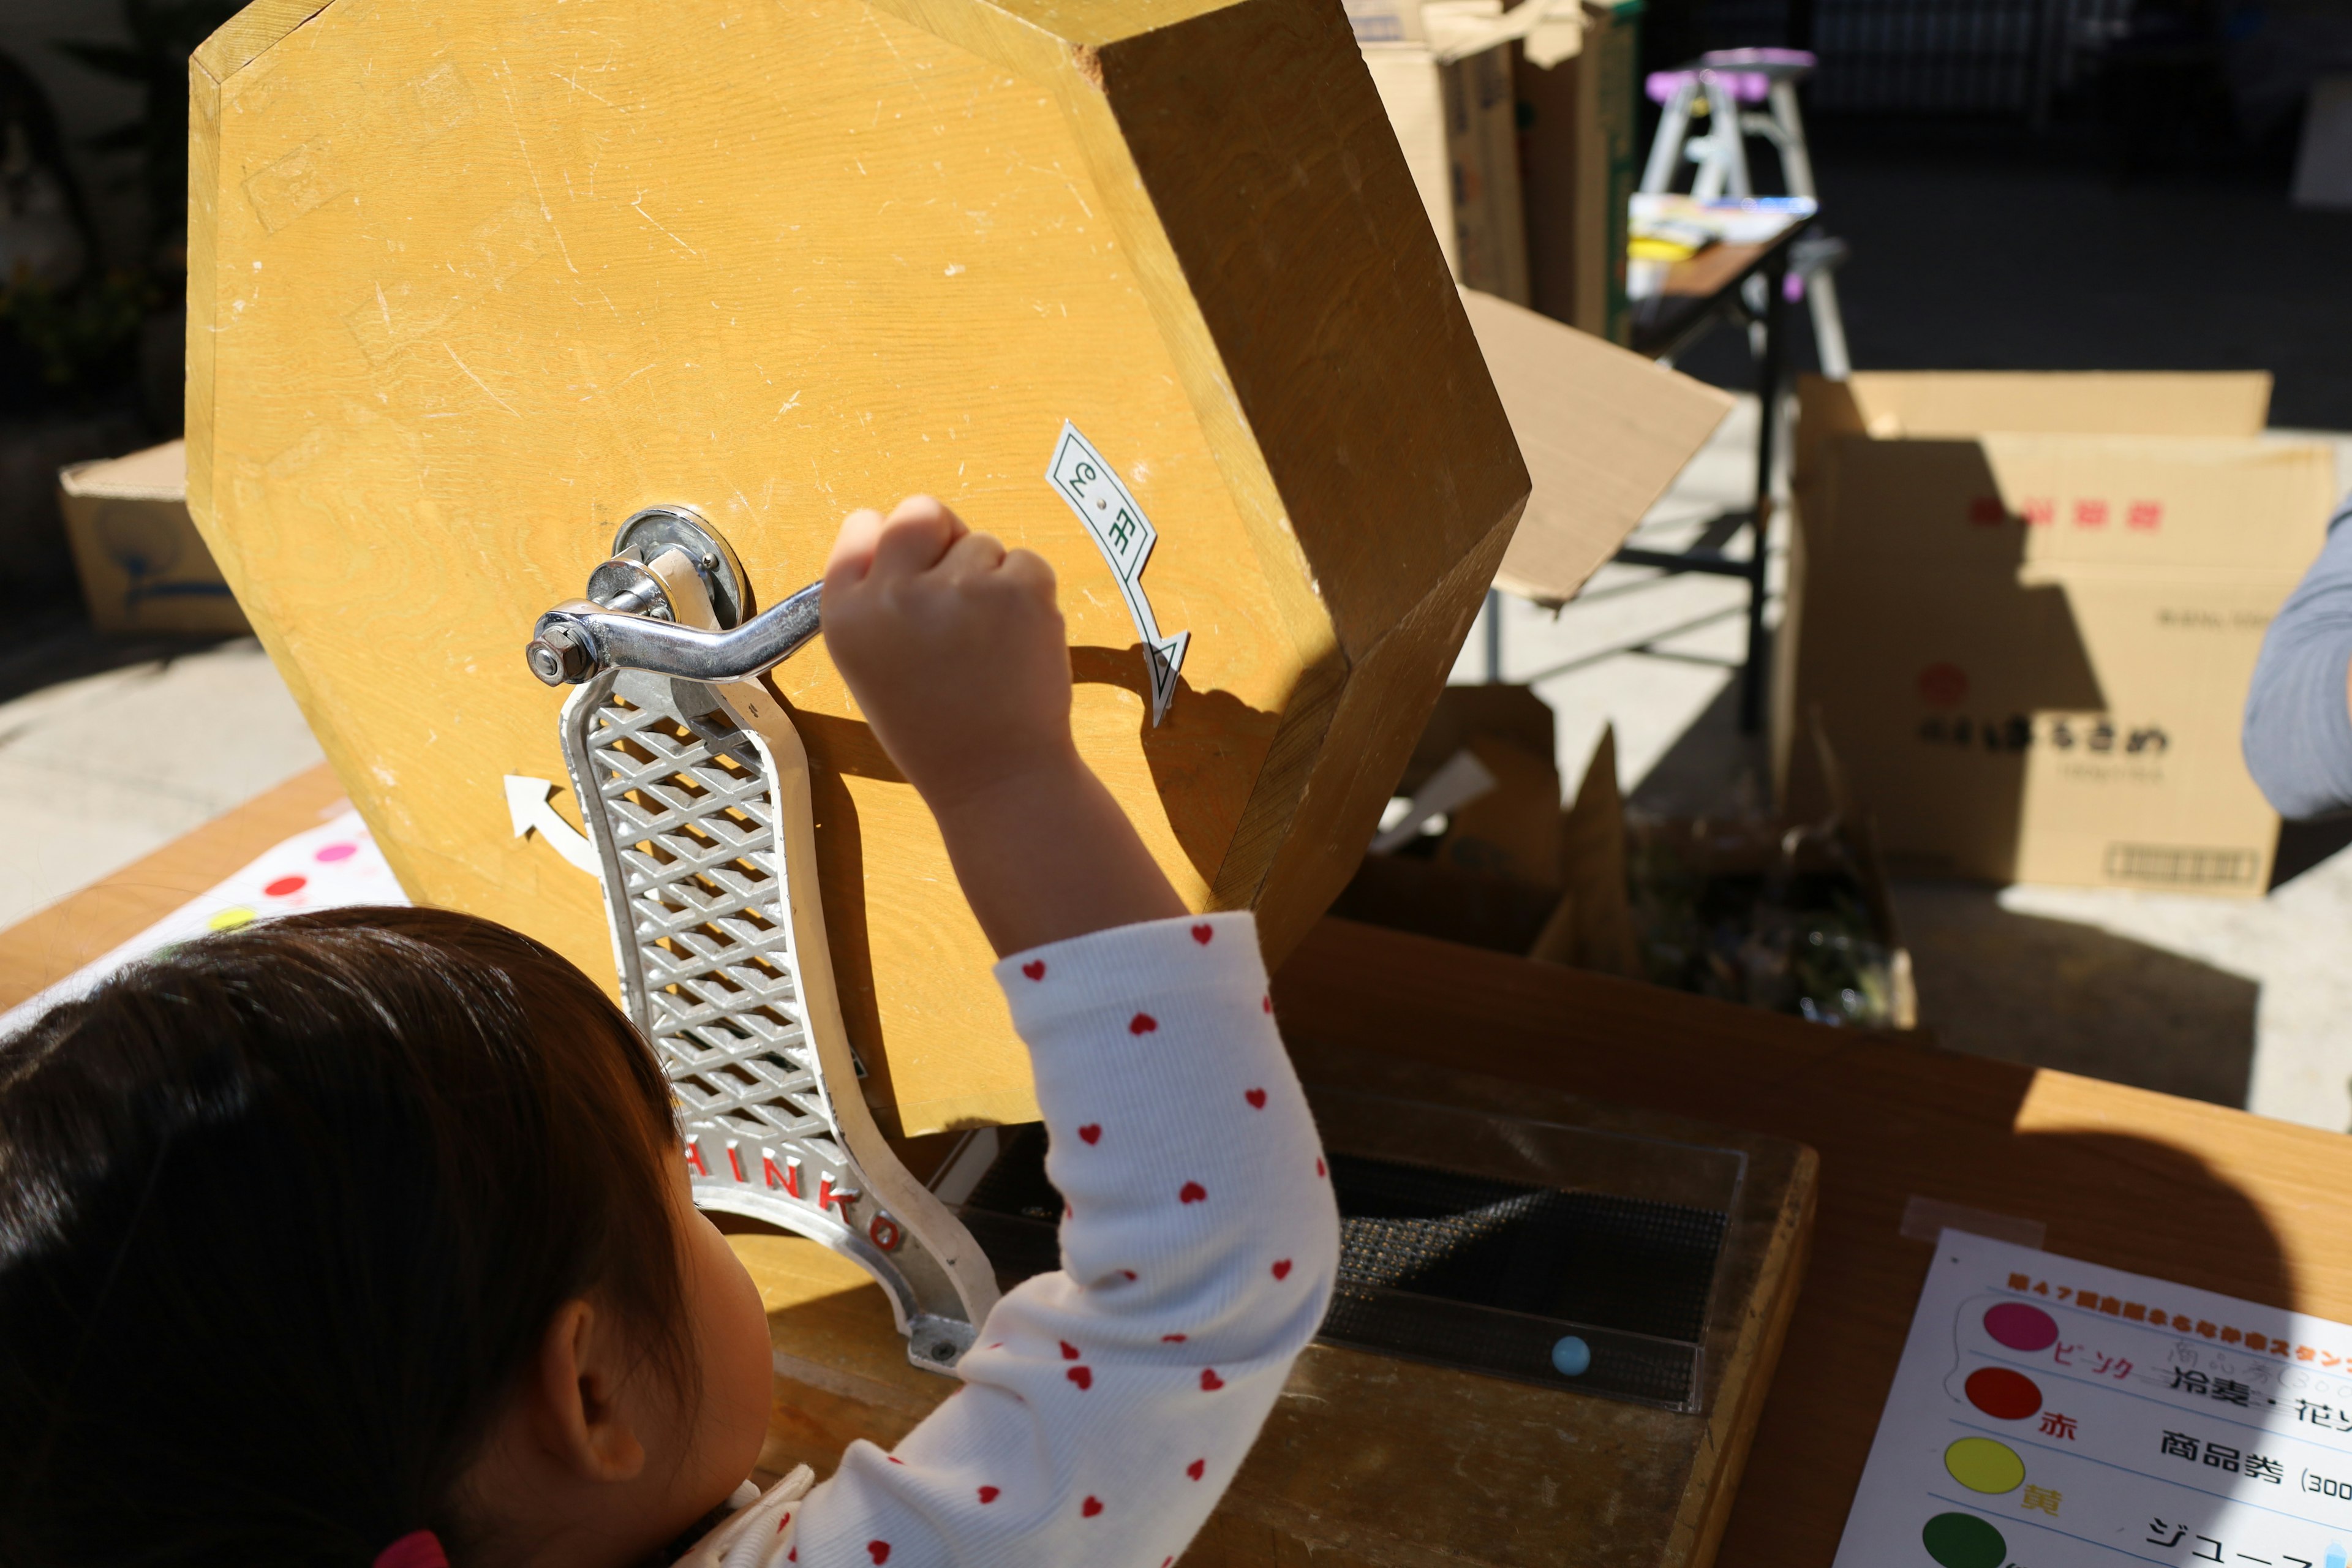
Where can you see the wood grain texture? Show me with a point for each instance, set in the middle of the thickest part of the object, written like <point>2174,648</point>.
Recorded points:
<point>2184,1191</point>
<point>468,287</point>
<point>45,947</point>
<point>1369,1461</point>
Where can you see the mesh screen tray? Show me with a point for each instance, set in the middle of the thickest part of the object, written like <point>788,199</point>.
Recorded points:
<point>1538,1251</point>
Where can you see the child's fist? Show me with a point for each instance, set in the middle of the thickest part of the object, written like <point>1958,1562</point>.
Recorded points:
<point>952,647</point>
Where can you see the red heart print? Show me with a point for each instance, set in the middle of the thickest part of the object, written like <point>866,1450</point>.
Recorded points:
<point>878,1549</point>
<point>1129,1274</point>
<point>1034,969</point>
<point>782,1522</point>
<point>1282,1269</point>
<point>894,1459</point>
<point>990,1494</point>
<point>1202,932</point>
<point>1196,1468</point>
<point>1192,1192</point>
<point>1268,1004</point>
<point>1256,1097</point>
<point>1210,1380</point>
<point>1081,1376</point>
<point>1091,1507</point>
<point>1171,1339</point>
<point>1142,1023</point>
<point>1091,1132</point>
<point>1319,1167</point>
<point>1069,1351</point>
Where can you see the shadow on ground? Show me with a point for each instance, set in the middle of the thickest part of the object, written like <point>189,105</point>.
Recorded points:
<point>2019,987</point>
<point>51,649</point>
<point>2052,994</point>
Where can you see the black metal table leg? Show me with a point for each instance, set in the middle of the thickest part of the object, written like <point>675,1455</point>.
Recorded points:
<point>1752,673</point>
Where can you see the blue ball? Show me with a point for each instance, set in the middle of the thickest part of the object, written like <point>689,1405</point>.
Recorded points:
<point>1572,1357</point>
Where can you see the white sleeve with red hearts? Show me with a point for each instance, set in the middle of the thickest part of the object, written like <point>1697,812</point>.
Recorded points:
<point>1107,1405</point>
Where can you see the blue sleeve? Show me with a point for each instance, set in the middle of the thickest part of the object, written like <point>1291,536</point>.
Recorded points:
<point>2298,734</point>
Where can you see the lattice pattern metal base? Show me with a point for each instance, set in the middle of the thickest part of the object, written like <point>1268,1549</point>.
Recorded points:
<point>723,966</point>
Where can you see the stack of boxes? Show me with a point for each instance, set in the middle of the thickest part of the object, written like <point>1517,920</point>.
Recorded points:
<point>1520,128</point>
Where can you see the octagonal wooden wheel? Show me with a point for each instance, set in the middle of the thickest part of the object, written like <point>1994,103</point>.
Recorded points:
<point>471,284</point>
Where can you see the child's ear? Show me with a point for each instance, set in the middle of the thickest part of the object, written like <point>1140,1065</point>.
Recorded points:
<point>587,1415</point>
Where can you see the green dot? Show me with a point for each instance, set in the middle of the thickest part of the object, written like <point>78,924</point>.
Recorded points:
<point>1964,1540</point>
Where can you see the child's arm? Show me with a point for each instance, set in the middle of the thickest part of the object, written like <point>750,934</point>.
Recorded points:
<point>1108,1404</point>
<point>955,651</point>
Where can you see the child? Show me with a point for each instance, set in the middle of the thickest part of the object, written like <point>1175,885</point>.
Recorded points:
<point>364,1237</point>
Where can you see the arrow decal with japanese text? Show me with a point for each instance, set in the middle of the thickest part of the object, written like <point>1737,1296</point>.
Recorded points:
<point>1125,536</point>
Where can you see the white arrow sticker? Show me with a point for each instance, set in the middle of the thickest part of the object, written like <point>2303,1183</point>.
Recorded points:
<point>1126,537</point>
<point>527,803</point>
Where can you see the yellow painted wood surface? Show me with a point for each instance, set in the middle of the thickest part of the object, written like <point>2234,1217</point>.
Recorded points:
<point>469,285</point>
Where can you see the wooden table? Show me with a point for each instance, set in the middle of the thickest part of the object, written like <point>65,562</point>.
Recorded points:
<point>2187,1191</point>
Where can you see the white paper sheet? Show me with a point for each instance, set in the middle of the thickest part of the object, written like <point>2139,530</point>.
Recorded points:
<point>2048,1414</point>
<point>336,864</point>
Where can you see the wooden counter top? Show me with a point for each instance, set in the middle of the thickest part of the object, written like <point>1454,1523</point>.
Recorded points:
<point>2187,1191</point>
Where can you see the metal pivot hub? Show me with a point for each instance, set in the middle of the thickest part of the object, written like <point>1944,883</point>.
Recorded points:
<point>696,796</point>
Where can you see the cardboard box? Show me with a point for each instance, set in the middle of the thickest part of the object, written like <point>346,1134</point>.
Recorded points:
<point>2025,610</point>
<point>1580,160</point>
<point>143,568</point>
<point>1789,916</point>
<point>1451,100</point>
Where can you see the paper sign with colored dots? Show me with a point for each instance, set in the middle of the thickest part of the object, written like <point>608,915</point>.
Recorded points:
<point>2048,1414</point>
<point>334,864</point>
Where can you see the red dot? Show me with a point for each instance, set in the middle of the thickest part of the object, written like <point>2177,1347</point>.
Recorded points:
<point>2003,1395</point>
<point>286,887</point>
<point>334,852</point>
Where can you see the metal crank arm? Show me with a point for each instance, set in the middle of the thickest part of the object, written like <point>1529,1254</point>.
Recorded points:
<point>696,796</point>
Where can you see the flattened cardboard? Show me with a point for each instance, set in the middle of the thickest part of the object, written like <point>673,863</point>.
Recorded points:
<point>2030,648</point>
<point>1603,432</point>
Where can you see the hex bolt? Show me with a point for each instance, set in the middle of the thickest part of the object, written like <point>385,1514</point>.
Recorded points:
<point>558,656</point>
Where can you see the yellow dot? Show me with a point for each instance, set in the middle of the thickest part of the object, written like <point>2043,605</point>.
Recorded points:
<point>1982,1464</point>
<point>229,919</point>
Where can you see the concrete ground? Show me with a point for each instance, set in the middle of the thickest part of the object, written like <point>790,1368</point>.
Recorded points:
<point>2240,1003</point>
<point>111,750</point>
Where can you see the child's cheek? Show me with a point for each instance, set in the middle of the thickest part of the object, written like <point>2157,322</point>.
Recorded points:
<point>737,1366</point>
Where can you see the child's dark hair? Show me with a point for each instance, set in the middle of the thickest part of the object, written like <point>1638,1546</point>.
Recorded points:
<point>284,1214</point>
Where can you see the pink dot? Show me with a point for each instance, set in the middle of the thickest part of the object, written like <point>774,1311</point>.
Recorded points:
<point>287,886</point>
<point>334,852</point>
<point>2021,1327</point>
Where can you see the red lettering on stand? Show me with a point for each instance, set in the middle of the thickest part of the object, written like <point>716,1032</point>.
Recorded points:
<point>789,1178</point>
<point>837,1197</point>
<point>734,1161</point>
<point>694,1157</point>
